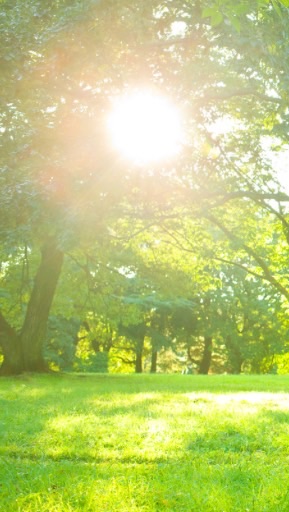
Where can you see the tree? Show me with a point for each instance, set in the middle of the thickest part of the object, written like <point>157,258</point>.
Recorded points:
<point>63,186</point>
<point>19,353</point>
<point>62,181</point>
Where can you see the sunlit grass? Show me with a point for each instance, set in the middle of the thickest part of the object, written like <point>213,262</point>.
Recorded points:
<point>144,443</point>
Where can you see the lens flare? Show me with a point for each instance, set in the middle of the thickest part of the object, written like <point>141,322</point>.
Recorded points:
<point>145,128</point>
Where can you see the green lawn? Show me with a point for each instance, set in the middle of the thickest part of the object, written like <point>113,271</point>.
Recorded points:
<point>144,443</point>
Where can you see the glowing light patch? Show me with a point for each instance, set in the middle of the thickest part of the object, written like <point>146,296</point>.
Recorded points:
<point>145,128</point>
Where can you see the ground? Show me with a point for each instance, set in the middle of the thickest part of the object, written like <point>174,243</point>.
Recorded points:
<point>179,443</point>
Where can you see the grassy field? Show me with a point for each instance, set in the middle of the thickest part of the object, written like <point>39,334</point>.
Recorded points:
<point>144,443</point>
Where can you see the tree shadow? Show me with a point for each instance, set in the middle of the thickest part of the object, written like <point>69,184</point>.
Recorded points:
<point>71,446</point>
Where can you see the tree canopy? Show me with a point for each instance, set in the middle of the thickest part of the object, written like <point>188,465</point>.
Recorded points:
<point>186,257</point>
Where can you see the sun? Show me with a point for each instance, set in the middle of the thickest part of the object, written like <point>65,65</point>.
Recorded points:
<point>145,128</point>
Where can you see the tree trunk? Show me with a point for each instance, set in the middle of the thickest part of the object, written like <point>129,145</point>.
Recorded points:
<point>34,328</point>
<point>138,362</point>
<point>24,352</point>
<point>139,353</point>
<point>207,356</point>
<point>154,361</point>
<point>235,356</point>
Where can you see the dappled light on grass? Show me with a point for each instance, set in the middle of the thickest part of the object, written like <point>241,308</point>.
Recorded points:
<point>177,448</point>
<point>251,398</point>
<point>255,398</point>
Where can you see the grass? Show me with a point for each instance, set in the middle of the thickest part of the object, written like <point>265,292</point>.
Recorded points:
<point>144,443</point>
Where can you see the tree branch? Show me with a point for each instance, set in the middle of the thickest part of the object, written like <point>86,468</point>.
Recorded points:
<point>251,252</point>
<point>226,95</point>
<point>239,265</point>
<point>126,361</point>
<point>255,196</point>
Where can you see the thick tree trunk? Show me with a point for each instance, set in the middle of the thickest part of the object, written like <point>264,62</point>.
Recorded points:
<point>24,352</point>
<point>154,361</point>
<point>207,356</point>
<point>34,328</point>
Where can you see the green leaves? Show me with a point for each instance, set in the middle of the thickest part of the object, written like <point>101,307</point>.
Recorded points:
<point>215,15</point>
<point>235,13</point>
<point>144,239</point>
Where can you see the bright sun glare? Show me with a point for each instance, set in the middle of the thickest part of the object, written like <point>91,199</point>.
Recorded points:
<point>145,128</point>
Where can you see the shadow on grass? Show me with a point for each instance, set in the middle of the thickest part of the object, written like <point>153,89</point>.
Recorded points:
<point>176,485</point>
<point>275,416</point>
<point>89,444</point>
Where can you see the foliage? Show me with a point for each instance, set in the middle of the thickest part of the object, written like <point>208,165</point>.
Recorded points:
<point>61,341</point>
<point>146,249</point>
<point>97,363</point>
